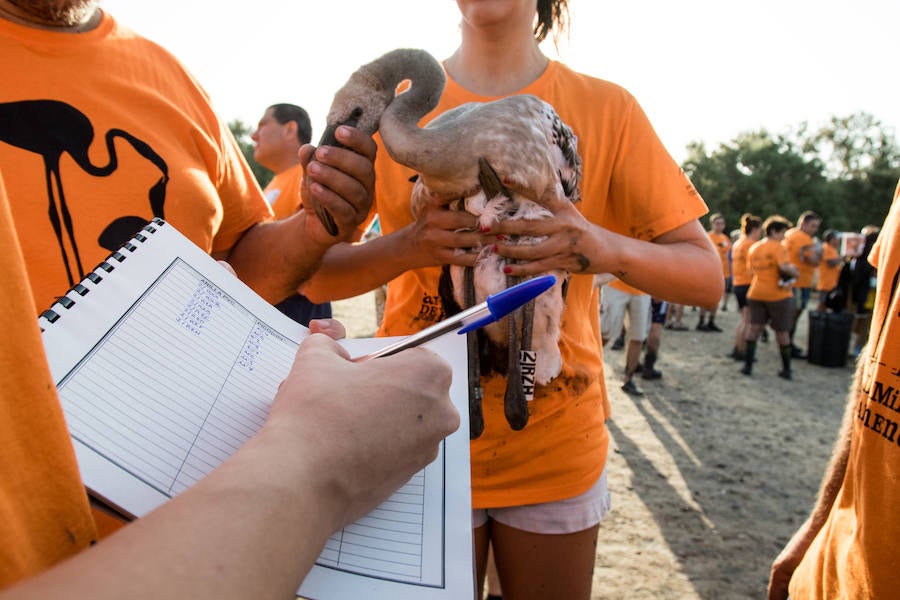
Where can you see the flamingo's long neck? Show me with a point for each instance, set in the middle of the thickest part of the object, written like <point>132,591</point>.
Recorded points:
<point>405,141</point>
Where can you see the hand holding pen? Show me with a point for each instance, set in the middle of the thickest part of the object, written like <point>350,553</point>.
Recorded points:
<point>493,309</point>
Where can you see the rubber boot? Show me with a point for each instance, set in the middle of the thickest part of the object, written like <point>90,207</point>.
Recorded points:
<point>648,372</point>
<point>749,355</point>
<point>786,352</point>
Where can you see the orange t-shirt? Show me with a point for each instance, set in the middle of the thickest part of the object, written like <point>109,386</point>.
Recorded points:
<point>44,513</point>
<point>101,131</point>
<point>624,287</point>
<point>631,186</point>
<point>828,275</point>
<point>283,192</point>
<point>795,240</point>
<point>854,555</point>
<point>740,270</point>
<point>763,259</point>
<point>722,243</point>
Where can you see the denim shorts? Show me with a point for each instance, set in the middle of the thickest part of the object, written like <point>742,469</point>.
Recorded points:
<point>563,516</point>
<point>658,310</point>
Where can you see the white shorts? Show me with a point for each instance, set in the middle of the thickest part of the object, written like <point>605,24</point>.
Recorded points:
<point>613,305</point>
<point>563,516</point>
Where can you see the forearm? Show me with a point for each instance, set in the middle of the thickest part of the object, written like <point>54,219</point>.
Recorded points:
<point>684,272</point>
<point>255,525</point>
<point>680,266</point>
<point>242,532</point>
<point>348,270</point>
<point>275,257</point>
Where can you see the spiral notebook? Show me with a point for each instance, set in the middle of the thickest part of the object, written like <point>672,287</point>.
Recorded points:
<point>166,363</point>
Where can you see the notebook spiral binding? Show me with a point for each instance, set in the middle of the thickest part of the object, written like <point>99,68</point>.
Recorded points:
<point>66,302</point>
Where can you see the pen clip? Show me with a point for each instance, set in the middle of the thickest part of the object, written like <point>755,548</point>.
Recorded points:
<point>503,303</point>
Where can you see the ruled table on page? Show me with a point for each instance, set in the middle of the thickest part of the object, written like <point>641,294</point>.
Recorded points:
<point>185,377</point>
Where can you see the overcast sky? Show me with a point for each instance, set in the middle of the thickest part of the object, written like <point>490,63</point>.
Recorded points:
<point>702,69</point>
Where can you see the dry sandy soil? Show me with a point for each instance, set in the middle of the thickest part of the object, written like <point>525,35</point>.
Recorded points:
<point>711,471</point>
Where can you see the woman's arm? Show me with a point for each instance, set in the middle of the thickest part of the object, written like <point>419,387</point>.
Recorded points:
<point>438,236</point>
<point>681,265</point>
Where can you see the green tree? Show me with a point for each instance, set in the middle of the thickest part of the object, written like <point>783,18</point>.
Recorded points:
<point>756,173</point>
<point>862,160</point>
<point>845,170</point>
<point>241,132</point>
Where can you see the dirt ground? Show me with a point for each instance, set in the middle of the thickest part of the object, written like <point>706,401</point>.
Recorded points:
<point>711,471</point>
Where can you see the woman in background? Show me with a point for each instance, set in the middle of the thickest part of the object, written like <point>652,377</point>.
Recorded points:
<point>539,493</point>
<point>751,230</point>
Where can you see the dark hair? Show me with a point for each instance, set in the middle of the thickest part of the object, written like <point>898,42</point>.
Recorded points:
<point>775,224</point>
<point>808,215</point>
<point>551,14</point>
<point>830,234</point>
<point>749,223</point>
<point>291,112</point>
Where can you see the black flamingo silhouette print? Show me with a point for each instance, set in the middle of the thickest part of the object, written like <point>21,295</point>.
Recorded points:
<point>52,128</point>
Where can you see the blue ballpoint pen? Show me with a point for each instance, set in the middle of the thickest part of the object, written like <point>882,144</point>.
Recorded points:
<point>493,309</point>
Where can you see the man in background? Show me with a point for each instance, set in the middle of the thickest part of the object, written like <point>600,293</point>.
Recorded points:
<point>281,131</point>
<point>805,255</point>
<point>830,272</point>
<point>722,242</point>
<point>617,299</point>
<point>658,310</point>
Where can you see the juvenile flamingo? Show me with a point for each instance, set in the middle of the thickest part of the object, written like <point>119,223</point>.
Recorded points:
<point>505,159</point>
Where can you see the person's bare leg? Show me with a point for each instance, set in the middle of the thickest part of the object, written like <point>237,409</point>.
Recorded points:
<point>632,357</point>
<point>542,566</point>
<point>493,578</point>
<point>481,537</point>
<point>701,324</point>
<point>654,337</point>
<point>679,314</point>
<point>741,330</point>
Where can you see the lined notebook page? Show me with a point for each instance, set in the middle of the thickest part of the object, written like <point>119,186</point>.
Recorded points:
<point>169,364</point>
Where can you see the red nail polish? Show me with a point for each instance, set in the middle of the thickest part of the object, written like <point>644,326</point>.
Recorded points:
<point>507,269</point>
<point>501,237</point>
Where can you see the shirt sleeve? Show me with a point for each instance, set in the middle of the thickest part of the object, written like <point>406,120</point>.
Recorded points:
<point>650,194</point>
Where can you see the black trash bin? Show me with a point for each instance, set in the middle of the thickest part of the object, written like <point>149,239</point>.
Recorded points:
<point>829,338</point>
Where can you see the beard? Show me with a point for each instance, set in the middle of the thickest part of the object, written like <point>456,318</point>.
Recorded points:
<point>66,13</point>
